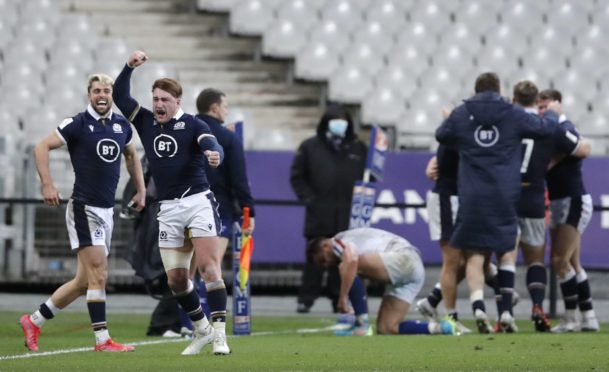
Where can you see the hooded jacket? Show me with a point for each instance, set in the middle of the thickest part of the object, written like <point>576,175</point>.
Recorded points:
<point>487,132</point>
<point>322,176</point>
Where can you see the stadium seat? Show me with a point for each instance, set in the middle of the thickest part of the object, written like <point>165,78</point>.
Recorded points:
<point>67,74</point>
<point>275,138</point>
<point>590,59</point>
<point>67,100</point>
<point>375,34</point>
<point>317,61</point>
<point>364,57</point>
<point>25,51</point>
<point>461,36</point>
<point>443,78</point>
<point>548,61</point>
<point>283,39</point>
<point>346,14</point>
<point>434,14</point>
<point>496,58</point>
<point>411,56</point>
<point>389,13</point>
<point>452,58</point>
<point>574,14</point>
<point>250,17</point>
<point>216,5</point>
<point>593,36</point>
<point>383,106</point>
<point>329,33</point>
<point>73,52</point>
<point>522,14</point>
<point>417,34</point>
<point>480,16</point>
<point>430,100</point>
<point>399,79</point>
<point>301,14</point>
<point>506,34</point>
<point>14,76</point>
<point>349,85</point>
<point>555,37</point>
<point>77,26</point>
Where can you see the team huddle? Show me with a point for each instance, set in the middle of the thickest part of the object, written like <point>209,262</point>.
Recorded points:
<point>494,161</point>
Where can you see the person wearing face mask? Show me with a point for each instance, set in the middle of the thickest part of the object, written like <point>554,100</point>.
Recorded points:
<point>322,176</point>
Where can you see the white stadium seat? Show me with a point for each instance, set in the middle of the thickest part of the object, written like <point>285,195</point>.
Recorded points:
<point>417,34</point>
<point>411,56</point>
<point>250,17</point>
<point>349,85</point>
<point>283,39</point>
<point>383,106</point>
<point>301,14</point>
<point>329,33</point>
<point>364,57</point>
<point>216,5</point>
<point>376,35</point>
<point>399,79</point>
<point>346,14</point>
<point>317,61</point>
<point>389,13</point>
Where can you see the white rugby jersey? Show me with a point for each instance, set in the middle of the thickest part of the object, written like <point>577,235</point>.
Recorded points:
<point>370,240</point>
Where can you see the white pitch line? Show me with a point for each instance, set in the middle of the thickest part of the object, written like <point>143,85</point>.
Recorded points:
<point>153,342</point>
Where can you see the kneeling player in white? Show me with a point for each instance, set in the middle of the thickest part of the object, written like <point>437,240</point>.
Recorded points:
<point>380,256</point>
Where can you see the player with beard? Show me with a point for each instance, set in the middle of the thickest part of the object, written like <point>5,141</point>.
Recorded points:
<point>95,138</point>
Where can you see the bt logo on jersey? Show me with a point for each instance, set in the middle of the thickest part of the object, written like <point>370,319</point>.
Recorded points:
<point>165,146</point>
<point>108,150</point>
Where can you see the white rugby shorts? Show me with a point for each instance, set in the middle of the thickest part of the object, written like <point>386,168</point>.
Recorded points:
<point>532,231</point>
<point>576,212</point>
<point>89,226</point>
<point>197,213</point>
<point>405,269</point>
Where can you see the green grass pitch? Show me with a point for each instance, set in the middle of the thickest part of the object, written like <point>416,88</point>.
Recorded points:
<point>278,345</point>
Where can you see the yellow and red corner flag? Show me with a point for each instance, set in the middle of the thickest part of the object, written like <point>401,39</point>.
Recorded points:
<point>247,247</point>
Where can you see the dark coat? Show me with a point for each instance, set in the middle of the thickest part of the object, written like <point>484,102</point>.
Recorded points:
<point>487,132</point>
<point>323,175</point>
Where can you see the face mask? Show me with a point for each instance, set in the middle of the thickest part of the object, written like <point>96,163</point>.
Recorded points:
<point>338,127</point>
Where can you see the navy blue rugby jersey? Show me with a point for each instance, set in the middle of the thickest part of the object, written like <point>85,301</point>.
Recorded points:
<point>565,179</point>
<point>448,167</point>
<point>95,151</point>
<point>174,149</point>
<point>536,155</point>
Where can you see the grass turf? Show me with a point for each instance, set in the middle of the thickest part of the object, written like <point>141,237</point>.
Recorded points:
<point>276,345</point>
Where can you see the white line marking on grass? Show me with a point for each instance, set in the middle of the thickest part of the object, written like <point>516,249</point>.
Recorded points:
<point>154,342</point>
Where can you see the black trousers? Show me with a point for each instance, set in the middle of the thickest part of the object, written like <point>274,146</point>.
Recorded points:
<point>312,284</point>
<point>166,314</point>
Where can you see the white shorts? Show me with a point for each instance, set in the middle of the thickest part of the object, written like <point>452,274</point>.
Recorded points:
<point>442,212</point>
<point>406,272</point>
<point>198,213</point>
<point>532,231</point>
<point>89,226</point>
<point>576,212</point>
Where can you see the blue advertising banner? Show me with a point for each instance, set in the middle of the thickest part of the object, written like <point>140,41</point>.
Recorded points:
<point>377,150</point>
<point>279,229</point>
<point>364,197</point>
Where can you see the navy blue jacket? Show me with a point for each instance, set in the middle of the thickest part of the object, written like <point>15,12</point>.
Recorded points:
<point>229,181</point>
<point>487,132</point>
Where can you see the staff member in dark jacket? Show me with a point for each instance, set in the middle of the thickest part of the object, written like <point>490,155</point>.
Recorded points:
<point>323,173</point>
<point>487,131</point>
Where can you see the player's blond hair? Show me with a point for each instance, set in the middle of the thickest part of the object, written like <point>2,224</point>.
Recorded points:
<point>102,78</point>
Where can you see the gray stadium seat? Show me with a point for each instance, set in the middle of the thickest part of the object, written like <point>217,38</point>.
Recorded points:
<point>590,59</point>
<point>507,35</point>
<point>349,85</point>
<point>389,13</point>
<point>417,34</point>
<point>250,17</point>
<point>452,58</point>
<point>77,26</point>
<point>572,13</point>
<point>347,14</point>
<point>216,5</point>
<point>283,39</point>
<point>317,61</point>
<point>364,57</point>
<point>329,33</point>
<point>399,79</point>
<point>522,14</point>
<point>548,61</point>
<point>434,14</point>
<point>301,14</point>
<point>409,55</point>
<point>383,106</point>
<point>553,36</point>
<point>14,76</point>
<point>497,58</point>
<point>376,35</point>
<point>479,15</point>
<point>462,36</point>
